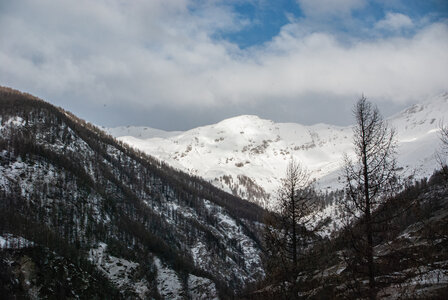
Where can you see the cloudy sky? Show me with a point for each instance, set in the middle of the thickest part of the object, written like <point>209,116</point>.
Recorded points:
<point>178,64</point>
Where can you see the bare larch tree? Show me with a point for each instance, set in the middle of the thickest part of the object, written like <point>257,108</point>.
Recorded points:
<point>291,228</point>
<point>296,198</point>
<point>370,177</point>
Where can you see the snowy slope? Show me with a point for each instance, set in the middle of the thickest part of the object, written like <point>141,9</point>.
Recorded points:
<point>417,129</point>
<point>247,155</point>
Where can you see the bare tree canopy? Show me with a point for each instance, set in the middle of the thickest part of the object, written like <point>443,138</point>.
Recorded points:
<point>295,206</point>
<point>444,136</point>
<point>442,156</point>
<point>371,176</point>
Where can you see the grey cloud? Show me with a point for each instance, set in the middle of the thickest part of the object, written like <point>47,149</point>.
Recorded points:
<point>157,61</point>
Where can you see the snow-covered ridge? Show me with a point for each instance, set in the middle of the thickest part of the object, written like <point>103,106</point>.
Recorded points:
<point>140,132</point>
<point>247,155</point>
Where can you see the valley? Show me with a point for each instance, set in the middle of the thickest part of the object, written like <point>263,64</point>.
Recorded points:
<point>85,215</point>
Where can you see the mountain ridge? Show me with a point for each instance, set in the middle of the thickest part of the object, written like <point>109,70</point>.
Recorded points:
<point>247,155</point>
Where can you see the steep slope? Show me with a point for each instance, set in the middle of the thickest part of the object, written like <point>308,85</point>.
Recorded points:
<point>247,155</point>
<point>78,194</point>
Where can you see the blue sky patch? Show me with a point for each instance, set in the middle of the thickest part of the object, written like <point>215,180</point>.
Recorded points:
<point>266,18</point>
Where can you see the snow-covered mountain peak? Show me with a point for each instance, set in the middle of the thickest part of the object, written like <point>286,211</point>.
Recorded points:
<point>247,126</point>
<point>247,155</point>
<point>241,120</point>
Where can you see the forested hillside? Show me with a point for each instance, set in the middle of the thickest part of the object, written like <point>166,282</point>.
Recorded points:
<point>98,214</point>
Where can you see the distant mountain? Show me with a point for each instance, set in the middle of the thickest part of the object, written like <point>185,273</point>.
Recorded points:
<point>247,155</point>
<point>85,216</point>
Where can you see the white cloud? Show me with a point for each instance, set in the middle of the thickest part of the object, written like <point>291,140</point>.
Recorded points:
<point>395,68</point>
<point>150,54</point>
<point>394,22</point>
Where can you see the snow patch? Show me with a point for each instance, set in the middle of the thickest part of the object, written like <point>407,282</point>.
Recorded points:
<point>169,284</point>
<point>10,241</point>
<point>200,288</point>
<point>118,270</point>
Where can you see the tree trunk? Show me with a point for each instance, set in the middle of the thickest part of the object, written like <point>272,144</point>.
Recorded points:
<point>369,250</point>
